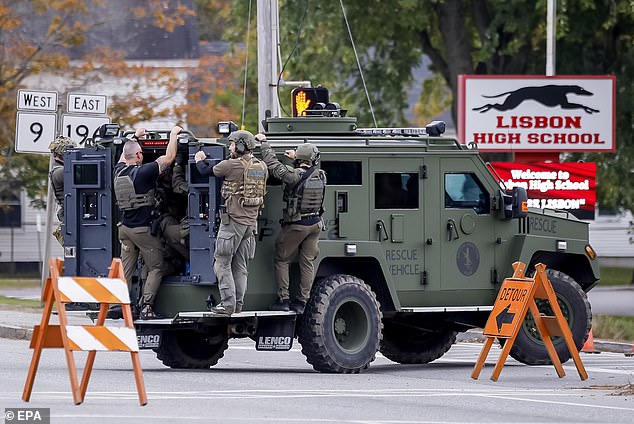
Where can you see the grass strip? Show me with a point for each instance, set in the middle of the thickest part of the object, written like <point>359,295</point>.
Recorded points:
<point>23,303</point>
<point>611,327</point>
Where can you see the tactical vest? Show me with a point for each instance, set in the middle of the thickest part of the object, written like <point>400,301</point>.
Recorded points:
<point>57,183</point>
<point>124,191</point>
<point>252,188</point>
<point>306,198</point>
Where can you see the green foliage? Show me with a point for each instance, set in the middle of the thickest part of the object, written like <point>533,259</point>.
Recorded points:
<point>434,99</point>
<point>460,37</point>
<point>613,327</point>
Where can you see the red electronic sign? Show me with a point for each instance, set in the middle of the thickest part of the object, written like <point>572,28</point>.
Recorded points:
<point>569,186</point>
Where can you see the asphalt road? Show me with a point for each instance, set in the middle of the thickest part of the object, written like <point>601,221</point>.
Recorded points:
<point>280,387</point>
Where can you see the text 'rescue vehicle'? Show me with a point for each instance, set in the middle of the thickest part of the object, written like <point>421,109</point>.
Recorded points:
<point>418,238</point>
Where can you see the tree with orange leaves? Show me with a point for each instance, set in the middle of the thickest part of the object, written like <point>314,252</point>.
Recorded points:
<point>63,45</point>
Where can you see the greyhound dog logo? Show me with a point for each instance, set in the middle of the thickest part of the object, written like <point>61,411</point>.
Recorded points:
<point>548,95</point>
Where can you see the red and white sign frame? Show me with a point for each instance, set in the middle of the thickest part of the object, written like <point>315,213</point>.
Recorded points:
<point>503,113</point>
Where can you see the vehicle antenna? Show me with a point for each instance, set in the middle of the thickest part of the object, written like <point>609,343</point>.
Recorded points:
<point>246,64</point>
<point>367,95</point>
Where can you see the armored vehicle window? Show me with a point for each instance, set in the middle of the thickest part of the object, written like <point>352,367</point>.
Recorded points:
<point>342,172</point>
<point>396,190</point>
<point>464,191</point>
<point>86,174</point>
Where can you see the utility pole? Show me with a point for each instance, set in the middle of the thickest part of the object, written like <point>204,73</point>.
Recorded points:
<point>551,37</point>
<point>268,39</point>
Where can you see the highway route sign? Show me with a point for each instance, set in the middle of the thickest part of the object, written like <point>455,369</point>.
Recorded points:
<point>34,132</point>
<point>87,103</point>
<point>81,127</point>
<point>37,100</point>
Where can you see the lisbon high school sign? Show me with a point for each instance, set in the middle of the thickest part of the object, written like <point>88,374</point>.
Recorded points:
<point>522,113</point>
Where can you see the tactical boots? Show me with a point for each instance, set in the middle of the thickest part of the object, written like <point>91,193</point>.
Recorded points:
<point>148,313</point>
<point>280,305</point>
<point>298,306</point>
<point>220,309</point>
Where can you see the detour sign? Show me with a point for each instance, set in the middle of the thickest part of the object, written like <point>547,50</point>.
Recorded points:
<point>509,309</point>
<point>516,296</point>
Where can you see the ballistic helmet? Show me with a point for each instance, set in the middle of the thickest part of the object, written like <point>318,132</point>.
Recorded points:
<point>244,140</point>
<point>61,144</point>
<point>308,153</point>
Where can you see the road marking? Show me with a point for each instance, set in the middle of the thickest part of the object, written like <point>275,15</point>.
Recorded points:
<point>603,370</point>
<point>554,402</point>
<point>180,418</point>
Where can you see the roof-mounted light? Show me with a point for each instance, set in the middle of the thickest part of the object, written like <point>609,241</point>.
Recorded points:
<point>436,128</point>
<point>106,131</point>
<point>226,127</point>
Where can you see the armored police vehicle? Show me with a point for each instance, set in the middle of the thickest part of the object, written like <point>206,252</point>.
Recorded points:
<point>419,235</point>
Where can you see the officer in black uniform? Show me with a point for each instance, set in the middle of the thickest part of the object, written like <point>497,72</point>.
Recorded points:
<point>134,186</point>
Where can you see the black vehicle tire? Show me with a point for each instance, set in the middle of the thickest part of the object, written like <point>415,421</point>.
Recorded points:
<point>340,331</point>
<point>192,349</point>
<point>573,301</point>
<point>411,345</point>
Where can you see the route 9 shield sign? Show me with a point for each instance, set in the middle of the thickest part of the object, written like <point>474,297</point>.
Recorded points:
<point>34,132</point>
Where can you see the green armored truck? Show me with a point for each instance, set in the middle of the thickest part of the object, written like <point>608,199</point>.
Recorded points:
<point>419,235</point>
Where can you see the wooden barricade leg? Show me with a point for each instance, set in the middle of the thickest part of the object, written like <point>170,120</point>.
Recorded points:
<point>543,330</point>
<point>483,356</point>
<point>90,360</point>
<point>508,344</point>
<point>116,271</point>
<point>543,281</point>
<point>136,363</point>
<point>70,358</point>
<point>39,341</point>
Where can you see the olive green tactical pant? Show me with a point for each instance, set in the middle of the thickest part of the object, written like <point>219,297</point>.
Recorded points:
<point>235,246</point>
<point>135,241</point>
<point>175,234</point>
<point>292,237</point>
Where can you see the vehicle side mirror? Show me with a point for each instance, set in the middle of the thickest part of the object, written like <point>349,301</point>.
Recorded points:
<point>515,205</point>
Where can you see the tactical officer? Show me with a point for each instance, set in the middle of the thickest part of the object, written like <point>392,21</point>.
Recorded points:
<point>58,148</point>
<point>303,188</point>
<point>243,190</point>
<point>134,186</point>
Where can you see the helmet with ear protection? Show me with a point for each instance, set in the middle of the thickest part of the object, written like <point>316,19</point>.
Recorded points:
<point>244,141</point>
<point>307,152</point>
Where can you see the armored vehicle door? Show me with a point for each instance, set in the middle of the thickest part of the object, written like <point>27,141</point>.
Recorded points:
<point>203,203</point>
<point>88,212</point>
<point>396,222</point>
<point>467,233</point>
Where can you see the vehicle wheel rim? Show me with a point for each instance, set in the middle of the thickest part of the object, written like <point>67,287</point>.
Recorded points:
<point>544,307</point>
<point>351,326</point>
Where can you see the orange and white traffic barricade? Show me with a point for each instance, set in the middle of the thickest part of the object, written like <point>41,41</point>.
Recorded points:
<point>91,338</point>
